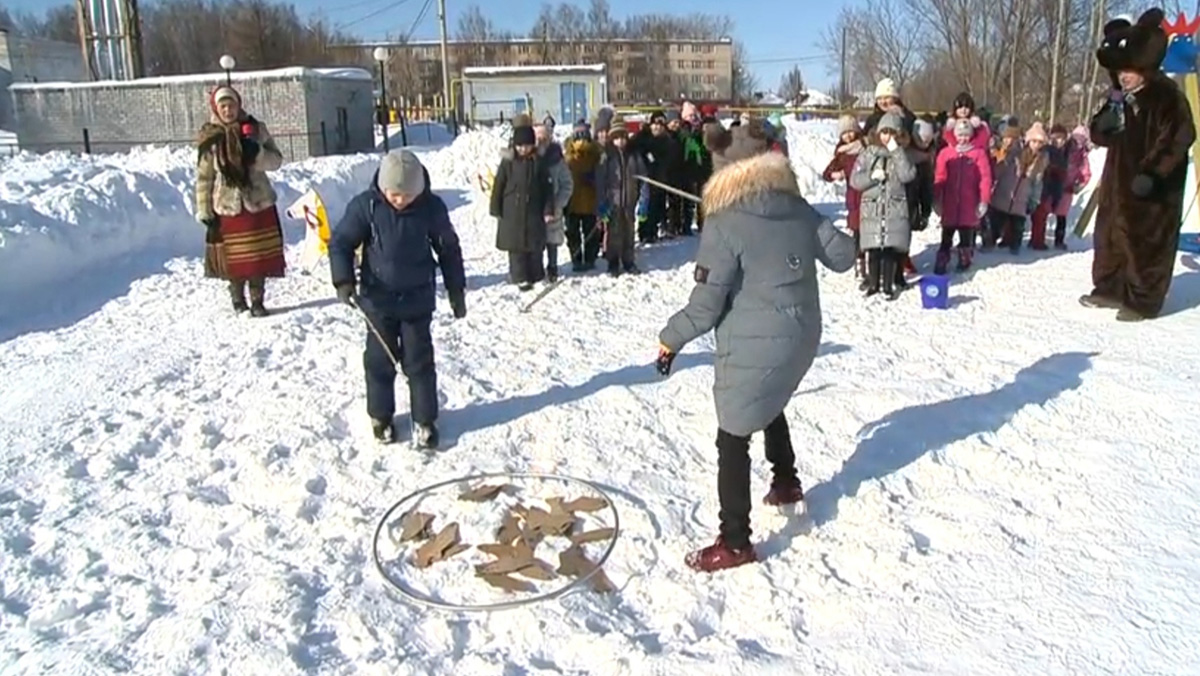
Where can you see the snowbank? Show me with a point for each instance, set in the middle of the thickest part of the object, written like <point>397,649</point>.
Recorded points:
<point>67,217</point>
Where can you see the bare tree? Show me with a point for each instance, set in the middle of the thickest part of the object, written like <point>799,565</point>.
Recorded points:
<point>791,86</point>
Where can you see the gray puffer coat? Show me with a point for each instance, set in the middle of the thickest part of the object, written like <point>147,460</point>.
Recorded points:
<point>884,211</point>
<point>756,286</point>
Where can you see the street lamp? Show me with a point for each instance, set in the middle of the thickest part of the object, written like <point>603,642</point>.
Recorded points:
<point>381,55</point>
<point>227,64</point>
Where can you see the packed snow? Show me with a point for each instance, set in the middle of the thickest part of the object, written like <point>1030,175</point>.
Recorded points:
<point>1007,486</point>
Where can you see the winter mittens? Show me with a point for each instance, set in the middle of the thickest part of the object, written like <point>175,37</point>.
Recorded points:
<point>212,231</point>
<point>458,303</point>
<point>1142,185</point>
<point>981,210</point>
<point>665,358</point>
<point>250,150</point>
<point>879,175</point>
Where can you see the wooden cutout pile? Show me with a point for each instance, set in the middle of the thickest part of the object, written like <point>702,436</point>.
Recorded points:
<point>522,530</point>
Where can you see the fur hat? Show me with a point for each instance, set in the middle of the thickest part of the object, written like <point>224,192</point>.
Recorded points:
<point>963,129</point>
<point>656,116</point>
<point>522,120</point>
<point>524,136</point>
<point>221,93</point>
<point>604,118</point>
<point>923,130</point>
<point>400,171</point>
<point>716,137</point>
<point>887,87</point>
<point>1036,132</point>
<point>1140,46</point>
<point>848,123</point>
<point>890,121</point>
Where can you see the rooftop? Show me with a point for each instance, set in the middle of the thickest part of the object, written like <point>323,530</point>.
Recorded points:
<point>514,41</point>
<point>533,70</point>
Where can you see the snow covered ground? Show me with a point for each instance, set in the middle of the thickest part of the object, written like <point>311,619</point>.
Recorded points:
<point>1004,487</point>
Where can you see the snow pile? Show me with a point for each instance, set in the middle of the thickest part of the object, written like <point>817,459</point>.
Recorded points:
<point>65,217</point>
<point>416,135</point>
<point>468,156</point>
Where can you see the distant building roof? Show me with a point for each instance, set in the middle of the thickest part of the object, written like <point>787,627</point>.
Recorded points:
<point>532,70</point>
<point>514,41</point>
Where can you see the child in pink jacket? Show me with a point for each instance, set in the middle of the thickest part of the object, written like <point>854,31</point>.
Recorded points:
<point>963,108</point>
<point>962,189</point>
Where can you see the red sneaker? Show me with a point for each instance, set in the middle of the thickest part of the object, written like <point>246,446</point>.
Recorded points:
<point>719,556</point>
<point>784,493</point>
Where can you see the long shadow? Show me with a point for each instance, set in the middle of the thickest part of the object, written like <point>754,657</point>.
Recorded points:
<point>476,417</point>
<point>902,437</point>
<point>53,307</point>
<point>1184,294</point>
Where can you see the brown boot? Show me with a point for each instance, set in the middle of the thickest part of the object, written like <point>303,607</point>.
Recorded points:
<point>257,292</point>
<point>237,293</point>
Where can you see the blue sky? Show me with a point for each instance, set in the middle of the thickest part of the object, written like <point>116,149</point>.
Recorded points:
<point>777,34</point>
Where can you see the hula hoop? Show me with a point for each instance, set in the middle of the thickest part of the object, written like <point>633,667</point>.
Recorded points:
<point>400,587</point>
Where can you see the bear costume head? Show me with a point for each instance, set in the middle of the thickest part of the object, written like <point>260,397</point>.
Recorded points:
<point>1140,46</point>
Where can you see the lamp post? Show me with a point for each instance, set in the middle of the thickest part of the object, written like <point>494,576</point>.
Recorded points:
<point>228,64</point>
<point>381,55</point>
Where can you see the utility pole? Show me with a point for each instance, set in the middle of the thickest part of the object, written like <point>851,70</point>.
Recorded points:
<point>1056,60</point>
<point>845,85</point>
<point>446,97</point>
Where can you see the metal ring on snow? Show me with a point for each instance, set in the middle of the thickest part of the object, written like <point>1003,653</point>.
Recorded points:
<point>404,590</point>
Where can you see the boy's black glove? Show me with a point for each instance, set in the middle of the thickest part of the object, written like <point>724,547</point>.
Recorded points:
<point>458,303</point>
<point>665,358</point>
<point>345,294</point>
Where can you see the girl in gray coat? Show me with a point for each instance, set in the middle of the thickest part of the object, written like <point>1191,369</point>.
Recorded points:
<point>756,287</point>
<point>885,232</point>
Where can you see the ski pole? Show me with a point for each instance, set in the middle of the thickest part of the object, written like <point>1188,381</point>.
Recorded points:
<point>663,186</point>
<point>375,332</point>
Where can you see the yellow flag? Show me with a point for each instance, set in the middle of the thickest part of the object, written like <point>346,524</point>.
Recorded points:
<point>310,208</point>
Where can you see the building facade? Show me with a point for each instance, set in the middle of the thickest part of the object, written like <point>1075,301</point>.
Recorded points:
<point>310,112</point>
<point>25,60</point>
<point>565,93</point>
<point>639,71</point>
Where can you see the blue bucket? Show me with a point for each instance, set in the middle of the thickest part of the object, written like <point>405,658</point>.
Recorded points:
<point>935,292</point>
<point>1190,243</point>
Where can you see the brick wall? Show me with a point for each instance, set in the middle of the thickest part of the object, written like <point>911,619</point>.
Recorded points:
<point>120,115</point>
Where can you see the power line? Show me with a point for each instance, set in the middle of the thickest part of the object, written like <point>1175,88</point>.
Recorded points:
<point>385,8</point>
<point>417,21</point>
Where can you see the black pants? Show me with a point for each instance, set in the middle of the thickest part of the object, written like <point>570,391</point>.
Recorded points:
<point>1008,227</point>
<point>582,240</point>
<point>966,238</point>
<point>409,341</point>
<point>656,216</point>
<point>883,266</point>
<point>1060,229</point>
<point>733,476</point>
<point>679,214</point>
<point>525,267</point>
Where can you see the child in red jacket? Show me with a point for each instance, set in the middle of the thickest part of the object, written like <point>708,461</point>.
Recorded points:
<point>962,188</point>
<point>850,144</point>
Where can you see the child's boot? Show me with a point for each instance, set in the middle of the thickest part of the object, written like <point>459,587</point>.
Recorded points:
<point>965,254</point>
<point>872,280</point>
<point>941,263</point>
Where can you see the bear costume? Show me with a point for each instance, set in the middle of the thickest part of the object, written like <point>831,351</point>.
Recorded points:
<point>1148,132</point>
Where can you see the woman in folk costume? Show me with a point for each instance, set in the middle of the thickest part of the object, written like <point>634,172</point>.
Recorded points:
<point>757,289</point>
<point>236,202</point>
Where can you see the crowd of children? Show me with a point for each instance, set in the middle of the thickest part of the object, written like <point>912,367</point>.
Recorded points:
<point>587,191</point>
<point>985,183</point>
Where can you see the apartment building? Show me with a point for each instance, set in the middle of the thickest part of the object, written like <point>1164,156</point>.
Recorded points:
<point>639,71</point>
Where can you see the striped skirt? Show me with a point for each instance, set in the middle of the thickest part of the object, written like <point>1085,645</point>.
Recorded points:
<point>251,246</point>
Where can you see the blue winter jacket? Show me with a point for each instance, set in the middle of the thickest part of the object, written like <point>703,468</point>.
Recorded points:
<point>401,252</point>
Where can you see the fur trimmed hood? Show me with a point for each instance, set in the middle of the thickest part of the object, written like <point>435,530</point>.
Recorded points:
<point>748,179</point>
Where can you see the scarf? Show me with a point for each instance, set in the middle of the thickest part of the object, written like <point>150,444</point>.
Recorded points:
<point>225,141</point>
<point>964,147</point>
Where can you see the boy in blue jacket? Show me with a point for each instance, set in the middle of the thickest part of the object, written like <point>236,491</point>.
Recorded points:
<point>406,235</point>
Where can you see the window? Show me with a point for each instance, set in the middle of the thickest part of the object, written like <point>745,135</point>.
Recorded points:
<point>710,64</point>
<point>710,79</point>
<point>697,65</point>
<point>708,49</point>
<point>681,64</point>
<point>697,79</point>
<point>523,49</point>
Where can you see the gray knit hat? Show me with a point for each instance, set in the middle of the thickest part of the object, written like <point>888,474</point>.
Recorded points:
<point>400,171</point>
